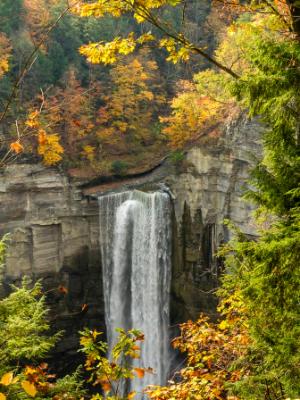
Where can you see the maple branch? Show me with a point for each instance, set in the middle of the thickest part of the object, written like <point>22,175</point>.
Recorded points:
<point>145,13</point>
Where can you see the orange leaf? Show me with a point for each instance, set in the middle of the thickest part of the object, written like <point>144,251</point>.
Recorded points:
<point>29,388</point>
<point>2,396</point>
<point>77,123</point>
<point>140,372</point>
<point>62,289</point>
<point>131,395</point>
<point>7,379</point>
<point>42,137</point>
<point>140,337</point>
<point>106,386</point>
<point>44,366</point>
<point>16,147</point>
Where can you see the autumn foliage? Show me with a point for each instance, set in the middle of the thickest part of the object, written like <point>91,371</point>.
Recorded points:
<point>111,374</point>
<point>24,343</point>
<point>5,52</point>
<point>131,104</point>
<point>37,16</point>
<point>191,111</point>
<point>213,356</point>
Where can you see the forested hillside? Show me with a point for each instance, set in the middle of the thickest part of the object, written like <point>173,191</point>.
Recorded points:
<point>68,111</point>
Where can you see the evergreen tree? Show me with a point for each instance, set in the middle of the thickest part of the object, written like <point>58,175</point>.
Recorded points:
<point>24,343</point>
<point>265,272</point>
<point>10,15</point>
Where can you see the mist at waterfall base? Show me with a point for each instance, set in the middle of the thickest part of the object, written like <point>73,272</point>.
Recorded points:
<point>135,237</point>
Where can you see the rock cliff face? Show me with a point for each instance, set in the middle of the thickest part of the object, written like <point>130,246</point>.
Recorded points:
<point>208,191</point>
<point>54,229</point>
<point>54,235</point>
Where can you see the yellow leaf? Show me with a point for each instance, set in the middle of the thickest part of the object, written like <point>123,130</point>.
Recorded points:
<point>146,37</point>
<point>223,325</point>
<point>131,395</point>
<point>31,123</point>
<point>95,334</point>
<point>30,371</point>
<point>7,379</point>
<point>29,388</point>
<point>49,148</point>
<point>2,396</point>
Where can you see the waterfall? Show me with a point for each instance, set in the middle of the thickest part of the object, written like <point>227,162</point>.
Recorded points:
<point>135,237</point>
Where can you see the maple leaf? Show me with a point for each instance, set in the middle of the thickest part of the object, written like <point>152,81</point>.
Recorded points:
<point>30,370</point>
<point>29,388</point>
<point>106,386</point>
<point>2,396</point>
<point>7,379</point>
<point>42,137</point>
<point>140,372</point>
<point>63,289</point>
<point>16,147</point>
<point>131,395</point>
<point>32,121</point>
<point>140,337</point>
<point>95,334</point>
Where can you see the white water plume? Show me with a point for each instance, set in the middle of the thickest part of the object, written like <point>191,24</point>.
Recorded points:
<point>135,237</point>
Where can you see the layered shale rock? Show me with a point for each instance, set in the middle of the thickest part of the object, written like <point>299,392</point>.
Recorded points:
<point>208,190</point>
<point>53,236</point>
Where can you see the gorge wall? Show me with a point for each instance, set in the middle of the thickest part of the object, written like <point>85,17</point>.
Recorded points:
<point>54,228</point>
<point>53,236</point>
<point>208,190</point>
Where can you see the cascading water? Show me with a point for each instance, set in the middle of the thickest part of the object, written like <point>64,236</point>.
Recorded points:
<point>135,237</point>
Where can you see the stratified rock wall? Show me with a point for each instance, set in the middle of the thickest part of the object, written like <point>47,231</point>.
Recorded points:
<point>207,191</point>
<point>53,236</point>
